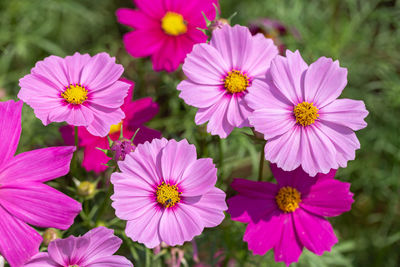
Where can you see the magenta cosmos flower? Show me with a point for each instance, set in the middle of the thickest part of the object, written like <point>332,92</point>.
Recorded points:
<point>165,30</point>
<point>94,249</point>
<point>137,114</point>
<point>297,110</point>
<point>24,198</point>
<point>79,89</point>
<point>221,73</point>
<point>166,194</point>
<point>290,215</point>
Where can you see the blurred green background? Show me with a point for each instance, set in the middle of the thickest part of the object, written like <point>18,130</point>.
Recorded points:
<point>363,35</point>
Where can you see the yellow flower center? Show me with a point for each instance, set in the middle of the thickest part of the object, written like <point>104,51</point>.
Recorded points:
<point>236,82</point>
<point>75,94</point>
<point>288,199</point>
<point>115,128</point>
<point>168,195</point>
<point>173,24</point>
<point>305,113</point>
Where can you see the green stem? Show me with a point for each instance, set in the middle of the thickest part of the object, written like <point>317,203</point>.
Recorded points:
<point>221,157</point>
<point>261,164</point>
<point>105,202</point>
<point>76,136</point>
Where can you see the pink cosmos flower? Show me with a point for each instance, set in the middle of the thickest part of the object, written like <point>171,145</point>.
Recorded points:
<point>24,198</point>
<point>290,215</point>
<point>94,249</point>
<point>221,73</point>
<point>79,89</point>
<point>297,110</point>
<point>166,194</point>
<point>137,113</point>
<point>165,30</point>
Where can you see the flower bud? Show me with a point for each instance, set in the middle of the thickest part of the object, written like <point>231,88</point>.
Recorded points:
<point>50,234</point>
<point>218,23</point>
<point>121,148</point>
<point>86,189</point>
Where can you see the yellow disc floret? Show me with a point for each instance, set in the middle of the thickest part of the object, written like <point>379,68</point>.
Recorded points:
<point>115,128</point>
<point>75,94</point>
<point>173,24</point>
<point>236,82</point>
<point>288,199</point>
<point>168,195</point>
<point>305,113</point>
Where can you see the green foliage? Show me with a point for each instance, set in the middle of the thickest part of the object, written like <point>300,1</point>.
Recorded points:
<point>363,35</point>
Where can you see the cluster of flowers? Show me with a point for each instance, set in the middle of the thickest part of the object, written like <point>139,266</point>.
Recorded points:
<point>163,191</point>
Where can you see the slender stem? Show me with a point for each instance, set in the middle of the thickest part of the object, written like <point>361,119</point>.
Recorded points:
<point>261,165</point>
<point>105,202</point>
<point>221,157</point>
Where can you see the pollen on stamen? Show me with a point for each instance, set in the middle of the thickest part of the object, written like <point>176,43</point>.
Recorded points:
<point>173,24</point>
<point>75,94</point>
<point>168,195</point>
<point>236,82</point>
<point>288,199</point>
<point>305,113</point>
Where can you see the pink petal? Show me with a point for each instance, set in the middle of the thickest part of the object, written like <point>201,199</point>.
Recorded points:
<point>111,261</point>
<point>94,159</point>
<point>205,65</point>
<point>272,122</point>
<point>209,206</point>
<point>10,129</point>
<point>314,232</point>
<point>103,119</point>
<point>328,197</point>
<point>288,248</point>
<point>153,9</point>
<point>142,43</point>
<point>63,250</point>
<point>287,75</point>
<point>76,115</point>
<point>74,65</point>
<point>264,234</point>
<point>54,70</point>
<point>100,72</point>
<point>176,158</point>
<point>40,205</point>
<point>33,166</point>
<point>179,225</point>
<point>136,19</point>
<point>346,112</point>
<point>140,111</point>
<point>324,81</point>
<point>144,134</point>
<point>103,243</point>
<point>145,229</point>
<point>285,150</point>
<point>169,56</point>
<point>235,115</point>
<point>253,189</point>
<point>42,259</point>
<point>112,97</point>
<point>218,123</point>
<point>194,10</point>
<point>250,209</point>
<point>200,96</point>
<point>18,242</point>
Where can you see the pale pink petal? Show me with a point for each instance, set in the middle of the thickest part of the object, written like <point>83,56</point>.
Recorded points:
<point>62,250</point>
<point>317,151</point>
<point>33,166</point>
<point>200,96</point>
<point>288,248</point>
<point>314,232</point>
<point>344,140</point>
<point>74,66</point>
<point>218,123</point>
<point>100,72</point>
<point>113,97</point>
<point>287,74</point>
<point>42,259</point>
<point>10,129</point>
<point>110,261</point>
<point>145,229</point>
<point>346,112</point>
<point>179,225</point>
<point>54,70</point>
<point>209,206</point>
<point>103,118</point>
<point>323,198</point>
<point>103,243</point>
<point>264,234</point>
<point>136,19</point>
<point>324,81</point>
<point>18,242</point>
<point>234,114</point>
<point>76,115</point>
<point>286,150</point>
<point>272,122</point>
<point>142,43</point>
<point>205,65</point>
<point>40,205</point>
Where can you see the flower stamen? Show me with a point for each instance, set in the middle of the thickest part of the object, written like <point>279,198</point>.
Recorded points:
<point>75,94</point>
<point>236,81</point>
<point>305,113</point>
<point>288,199</point>
<point>168,195</point>
<point>173,24</point>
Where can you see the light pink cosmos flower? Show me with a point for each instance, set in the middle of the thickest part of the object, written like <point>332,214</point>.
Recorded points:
<point>297,110</point>
<point>290,215</point>
<point>221,73</point>
<point>166,30</point>
<point>166,194</point>
<point>137,113</point>
<point>24,198</point>
<point>94,249</point>
<point>79,89</point>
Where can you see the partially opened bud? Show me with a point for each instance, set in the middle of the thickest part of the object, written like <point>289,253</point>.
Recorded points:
<point>218,23</point>
<point>121,148</point>
<point>50,234</point>
<point>86,189</point>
